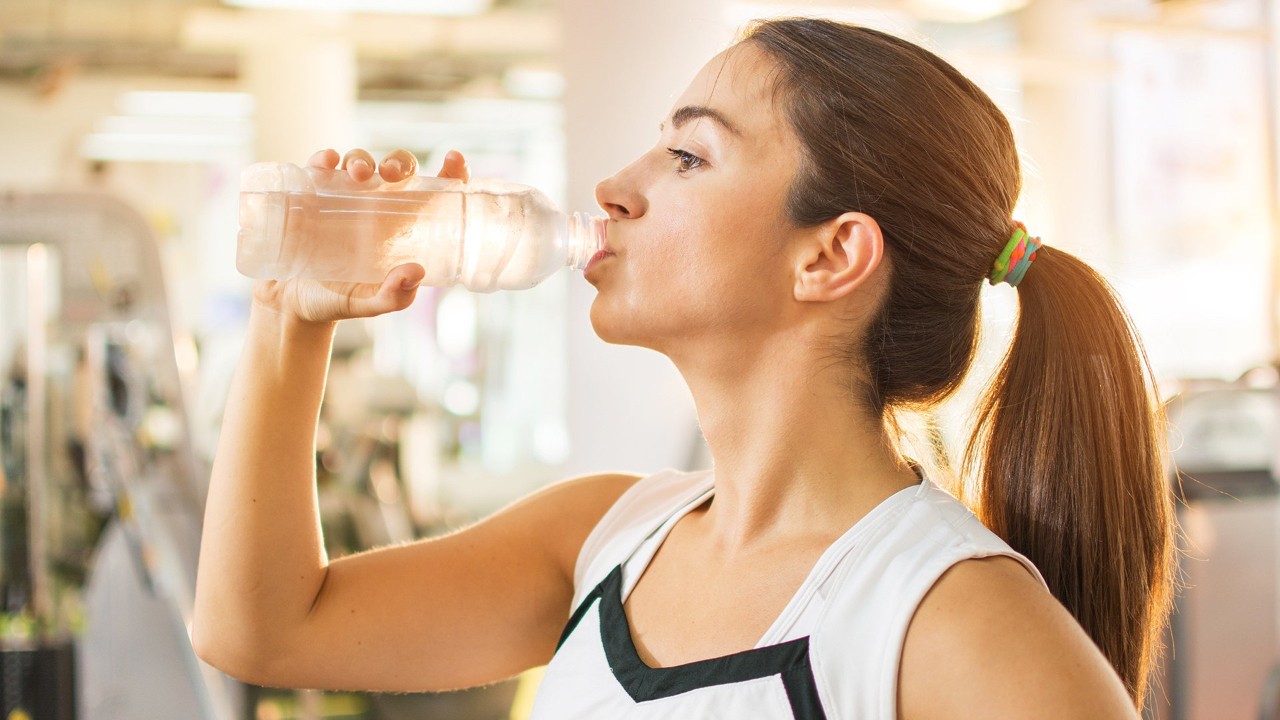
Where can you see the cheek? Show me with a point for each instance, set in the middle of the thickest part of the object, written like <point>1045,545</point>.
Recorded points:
<point>676,249</point>
<point>712,251</point>
<point>683,290</point>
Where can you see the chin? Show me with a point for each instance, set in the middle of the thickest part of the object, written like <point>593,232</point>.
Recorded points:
<point>606,324</point>
<point>617,328</point>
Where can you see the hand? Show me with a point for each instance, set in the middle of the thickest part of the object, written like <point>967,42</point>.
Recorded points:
<point>320,301</point>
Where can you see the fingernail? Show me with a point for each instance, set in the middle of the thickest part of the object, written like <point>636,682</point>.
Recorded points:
<point>360,162</point>
<point>395,166</point>
<point>408,284</point>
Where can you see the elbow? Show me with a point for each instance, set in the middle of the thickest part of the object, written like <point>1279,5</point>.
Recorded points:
<point>254,658</point>
<point>204,643</point>
<point>227,653</point>
<point>246,637</point>
<point>206,632</point>
<point>221,635</point>
<point>213,648</point>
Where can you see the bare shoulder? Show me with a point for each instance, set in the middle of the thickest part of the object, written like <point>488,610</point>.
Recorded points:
<point>989,641</point>
<point>593,490</point>
<point>572,507</point>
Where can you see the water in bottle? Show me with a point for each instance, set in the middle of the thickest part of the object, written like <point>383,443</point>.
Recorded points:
<point>486,235</point>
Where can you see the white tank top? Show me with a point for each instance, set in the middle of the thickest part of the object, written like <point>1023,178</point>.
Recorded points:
<point>832,653</point>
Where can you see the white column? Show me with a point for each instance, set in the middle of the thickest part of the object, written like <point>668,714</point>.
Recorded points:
<point>625,63</point>
<point>1066,135</point>
<point>1271,10</point>
<point>300,68</point>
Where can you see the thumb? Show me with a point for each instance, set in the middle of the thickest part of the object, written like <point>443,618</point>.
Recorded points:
<point>397,291</point>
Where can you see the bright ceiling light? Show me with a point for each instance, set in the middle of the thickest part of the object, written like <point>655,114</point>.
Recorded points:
<point>402,7</point>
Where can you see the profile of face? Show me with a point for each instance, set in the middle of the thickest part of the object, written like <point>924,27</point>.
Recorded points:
<point>699,229</point>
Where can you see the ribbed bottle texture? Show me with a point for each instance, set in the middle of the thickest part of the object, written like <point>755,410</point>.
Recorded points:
<point>486,235</point>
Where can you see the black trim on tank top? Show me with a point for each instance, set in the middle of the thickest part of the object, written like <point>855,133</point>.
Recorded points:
<point>790,659</point>
<point>577,614</point>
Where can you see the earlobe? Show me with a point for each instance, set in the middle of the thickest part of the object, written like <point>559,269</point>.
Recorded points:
<point>840,256</point>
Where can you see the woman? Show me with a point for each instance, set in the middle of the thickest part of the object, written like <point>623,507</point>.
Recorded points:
<point>806,242</point>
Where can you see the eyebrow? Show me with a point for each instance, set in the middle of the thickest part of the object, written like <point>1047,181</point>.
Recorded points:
<point>693,112</point>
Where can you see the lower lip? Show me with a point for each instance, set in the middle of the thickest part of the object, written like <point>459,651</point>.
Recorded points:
<point>595,260</point>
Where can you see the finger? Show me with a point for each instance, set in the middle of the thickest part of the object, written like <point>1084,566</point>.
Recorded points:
<point>359,163</point>
<point>408,275</point>
<point>397,166</point>
<point>455,166</point>
<point>327,159</point>
<point>397,292</point>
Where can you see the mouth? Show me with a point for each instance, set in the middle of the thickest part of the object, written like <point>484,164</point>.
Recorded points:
<point>596,260</point>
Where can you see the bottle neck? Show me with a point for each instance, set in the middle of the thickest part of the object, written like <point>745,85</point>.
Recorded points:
<point>585,236</point>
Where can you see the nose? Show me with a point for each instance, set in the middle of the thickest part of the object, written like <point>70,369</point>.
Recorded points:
<point>621,195</point>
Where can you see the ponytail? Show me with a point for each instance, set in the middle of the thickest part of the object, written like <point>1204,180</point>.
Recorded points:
<point>1068,457</point>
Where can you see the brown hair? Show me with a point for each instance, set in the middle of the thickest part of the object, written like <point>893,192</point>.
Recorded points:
<point>1066,461</point>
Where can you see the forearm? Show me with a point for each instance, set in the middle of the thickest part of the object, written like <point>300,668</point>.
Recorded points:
<point>262,559</point>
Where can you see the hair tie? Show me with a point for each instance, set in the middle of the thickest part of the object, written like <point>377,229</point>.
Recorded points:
<point>1013,262</point>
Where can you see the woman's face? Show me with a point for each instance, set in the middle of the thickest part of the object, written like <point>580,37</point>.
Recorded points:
<point>700,231</point>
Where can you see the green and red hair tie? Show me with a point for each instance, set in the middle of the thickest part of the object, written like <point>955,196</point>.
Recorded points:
<point>1013,262</point>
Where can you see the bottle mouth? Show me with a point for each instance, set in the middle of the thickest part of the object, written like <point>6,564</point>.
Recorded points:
<point>586,238</point>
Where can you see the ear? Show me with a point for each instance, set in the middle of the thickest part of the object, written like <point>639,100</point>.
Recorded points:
<point>837,257</point>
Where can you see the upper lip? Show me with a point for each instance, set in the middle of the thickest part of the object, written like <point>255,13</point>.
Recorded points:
<point>606,246</point>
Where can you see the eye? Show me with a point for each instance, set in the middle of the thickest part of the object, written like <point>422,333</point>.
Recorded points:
<point>685,160</point>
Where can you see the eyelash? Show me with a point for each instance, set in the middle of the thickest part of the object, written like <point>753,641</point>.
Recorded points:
<point>687,161</point>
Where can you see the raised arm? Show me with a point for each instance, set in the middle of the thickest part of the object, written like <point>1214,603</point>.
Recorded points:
<point>472,607</point>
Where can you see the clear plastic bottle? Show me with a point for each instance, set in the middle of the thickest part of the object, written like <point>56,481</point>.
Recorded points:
<point>486,234</point>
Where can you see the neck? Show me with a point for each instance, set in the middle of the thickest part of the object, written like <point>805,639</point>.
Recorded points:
<point>794,454</point>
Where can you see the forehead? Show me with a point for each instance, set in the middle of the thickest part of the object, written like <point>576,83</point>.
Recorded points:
<point>739,84</point>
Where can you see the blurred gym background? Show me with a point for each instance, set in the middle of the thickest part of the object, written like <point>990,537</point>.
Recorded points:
<point>1149,135</point>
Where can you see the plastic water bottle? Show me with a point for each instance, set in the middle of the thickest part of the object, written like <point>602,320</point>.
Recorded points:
<point>323,225</point>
